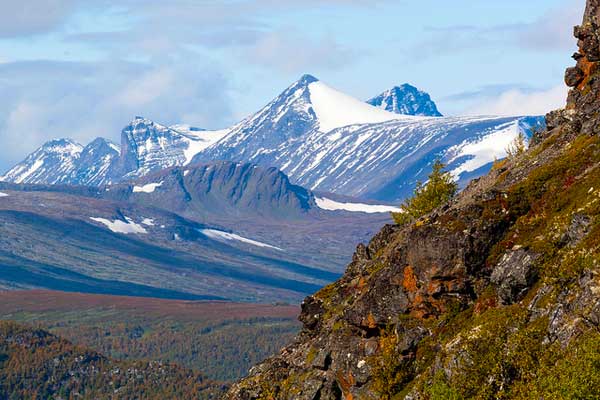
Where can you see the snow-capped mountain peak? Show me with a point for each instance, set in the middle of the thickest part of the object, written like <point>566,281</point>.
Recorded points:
<point>53,162</point>
<point>321,138</point>
<point>406,99</point>
<point>63,161</point>
<point>307,105</point>
<point>62,146</point>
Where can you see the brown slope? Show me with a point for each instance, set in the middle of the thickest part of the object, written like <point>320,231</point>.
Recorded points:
<point>37,365</point>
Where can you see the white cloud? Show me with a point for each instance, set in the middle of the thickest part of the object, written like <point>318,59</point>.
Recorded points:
<point>554,29</point>
<point>86,100</point>
<point>290,52</point>
<point>518,102</point>
<point>28,17</point>
<point>146,89</point>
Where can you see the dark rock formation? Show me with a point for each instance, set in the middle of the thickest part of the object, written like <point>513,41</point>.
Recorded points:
<point>582,103</point>
<point>514,275</point>
<point>495,295</point>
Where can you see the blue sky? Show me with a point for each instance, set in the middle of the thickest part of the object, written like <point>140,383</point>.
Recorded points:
<point>82,69</point>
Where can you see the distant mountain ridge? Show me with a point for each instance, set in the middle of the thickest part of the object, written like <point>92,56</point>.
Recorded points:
<point>406,99</point>
<point>320,138</point>
<point>205,229</point>
<point>64,161</point>
<point>219,188</point>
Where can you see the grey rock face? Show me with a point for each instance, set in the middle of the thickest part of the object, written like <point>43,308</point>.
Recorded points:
<point>148,147</point>
<point>514,275</point>
<point>577,230</point>
<point>220,188</point>
<point>407,100</point>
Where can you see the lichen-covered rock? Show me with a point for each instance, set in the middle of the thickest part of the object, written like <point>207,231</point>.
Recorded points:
<point>514,275</point>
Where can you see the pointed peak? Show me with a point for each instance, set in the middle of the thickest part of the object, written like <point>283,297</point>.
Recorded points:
<point>61,145</point>
<point>405,87</point>
<point>307,79</point>
<point>60,142</point>
<point>102,142</point>
<point>140,120</point>
<point>406,99</point>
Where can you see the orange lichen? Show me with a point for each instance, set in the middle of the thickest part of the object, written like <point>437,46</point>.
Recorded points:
<point>588,69</point>
<point>410,279</point>
<point>346,381</point>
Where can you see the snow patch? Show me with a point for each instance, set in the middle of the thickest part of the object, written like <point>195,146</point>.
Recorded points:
<point>220,235</point>
<point>148,188</point>
<point>119,226</point>
<point>203,140</point>
<point>331,205</point>
<point>3,194</point>
<point>335,109</point>
<point>486,150</point>
<point>148,222</point>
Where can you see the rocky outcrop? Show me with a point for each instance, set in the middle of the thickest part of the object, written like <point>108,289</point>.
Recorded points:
<point>580,115</point>
<point>406,99</point>
<point>495,295</point>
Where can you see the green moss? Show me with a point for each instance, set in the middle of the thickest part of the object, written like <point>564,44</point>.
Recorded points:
<point>391,371</point>
<point>439,389</point>
<point>312,354</point>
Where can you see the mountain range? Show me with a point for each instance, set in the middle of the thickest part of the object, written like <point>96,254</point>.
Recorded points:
<point>319,137</point>
<point>228,231</point>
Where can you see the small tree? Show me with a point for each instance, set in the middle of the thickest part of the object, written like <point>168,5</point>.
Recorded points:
<point>518,146</point>
<point>438,190</point>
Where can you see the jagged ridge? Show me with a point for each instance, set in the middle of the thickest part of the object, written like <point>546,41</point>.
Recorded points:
<point>406,99</point>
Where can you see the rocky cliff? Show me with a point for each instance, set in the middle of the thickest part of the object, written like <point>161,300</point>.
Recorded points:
<point>494,295</point>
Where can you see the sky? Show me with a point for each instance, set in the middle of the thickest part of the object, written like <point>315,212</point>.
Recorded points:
<point>85,68</point>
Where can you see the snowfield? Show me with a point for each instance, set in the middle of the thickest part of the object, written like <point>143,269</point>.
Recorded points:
<point>119,226</point>
<point>226,236</point>
<point>335,109</point>
<point>331,205</point>
<point>148,188</point>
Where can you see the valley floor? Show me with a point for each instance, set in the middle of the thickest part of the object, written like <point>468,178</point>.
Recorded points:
<point>221,340</point>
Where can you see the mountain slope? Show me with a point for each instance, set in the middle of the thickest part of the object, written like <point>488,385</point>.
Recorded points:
<point>62,161</point>
<point>384,161</point>
<point>220,188</point>
<point>191,233</point>
<point>493,295</point>
<point>307,105</point>
<point>407,100</point>
<point>35,364</point>
<point>325,141</point>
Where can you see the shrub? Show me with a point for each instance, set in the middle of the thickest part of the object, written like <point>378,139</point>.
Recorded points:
<point>517,147</point>
<point>438,190</point>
